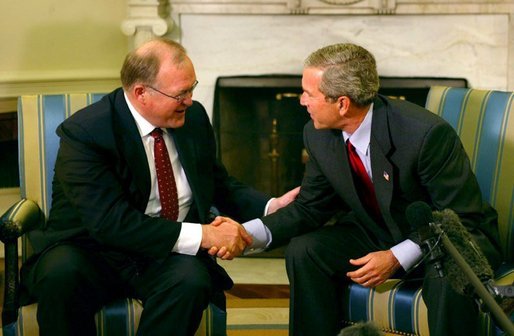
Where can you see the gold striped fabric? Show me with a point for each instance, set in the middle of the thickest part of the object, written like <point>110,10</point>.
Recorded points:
<point>38,117</point>
<point>484,120</point>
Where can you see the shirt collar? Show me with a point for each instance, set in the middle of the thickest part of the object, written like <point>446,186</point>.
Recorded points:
<point>143,126</point>
<point>361,137</point>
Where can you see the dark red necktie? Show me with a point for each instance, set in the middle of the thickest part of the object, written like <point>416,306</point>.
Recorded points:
<point>363,182</point>
<point>165,179</point>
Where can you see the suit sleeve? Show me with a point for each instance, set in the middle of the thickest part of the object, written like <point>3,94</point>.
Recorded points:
<point>314,206</point>
<point>445,170</point>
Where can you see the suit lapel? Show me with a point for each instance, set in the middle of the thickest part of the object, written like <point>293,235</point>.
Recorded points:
<point>131,147</point>
<point>382,169</point>
<point>344,184</point>
<point>186,149</point>
<point>342,172</point>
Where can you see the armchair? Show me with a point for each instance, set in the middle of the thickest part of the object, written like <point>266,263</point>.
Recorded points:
<point>38,117</point>
<point>484,121</point>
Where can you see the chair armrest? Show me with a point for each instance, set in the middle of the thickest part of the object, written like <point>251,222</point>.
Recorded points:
<point>23,216</point>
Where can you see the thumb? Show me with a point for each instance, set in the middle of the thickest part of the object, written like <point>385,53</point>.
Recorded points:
<point>217,221</point>
<point>360,261</point>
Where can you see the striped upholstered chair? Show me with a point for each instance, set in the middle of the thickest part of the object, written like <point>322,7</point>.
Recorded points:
<point>38,117</point>
<point>484,121</point>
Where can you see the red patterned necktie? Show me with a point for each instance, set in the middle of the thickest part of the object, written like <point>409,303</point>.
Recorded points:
<point>363,182</point>
<point>165,179</point>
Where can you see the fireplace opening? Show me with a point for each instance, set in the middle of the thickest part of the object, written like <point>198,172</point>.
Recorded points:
<point>258,121</point>
<point>9,176</point>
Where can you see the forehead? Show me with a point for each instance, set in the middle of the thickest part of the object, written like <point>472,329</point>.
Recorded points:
<point>176,75</point>
<point>311,78</point>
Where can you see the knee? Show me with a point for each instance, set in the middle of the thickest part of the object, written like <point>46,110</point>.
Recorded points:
<point>189,281</point>
<point>301,248</point>
<point>195,286</point>
<point>57,272</point>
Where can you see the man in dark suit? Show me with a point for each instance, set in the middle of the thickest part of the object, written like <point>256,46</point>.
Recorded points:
<point>400,153</point>
<point>112,232</point>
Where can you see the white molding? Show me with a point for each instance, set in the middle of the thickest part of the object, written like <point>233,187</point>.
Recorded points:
<point>337,7</point>
<point>146,19</point>
<point>9,89</point>
<point>349,7</point>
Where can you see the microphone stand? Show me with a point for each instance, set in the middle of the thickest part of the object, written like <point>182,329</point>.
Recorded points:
<point>502,319</point>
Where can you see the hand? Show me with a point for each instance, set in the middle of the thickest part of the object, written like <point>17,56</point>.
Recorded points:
<point>376,268</point>
<point>283,200</point>
<point>225,238</point>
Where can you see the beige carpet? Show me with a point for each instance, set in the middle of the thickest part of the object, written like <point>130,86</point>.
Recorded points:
<point>257,317</point>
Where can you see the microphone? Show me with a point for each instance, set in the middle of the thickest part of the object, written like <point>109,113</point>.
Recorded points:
<point>419,215</point>
<point>473,265</point>
<point>361,329</point>
<point>448,221</point>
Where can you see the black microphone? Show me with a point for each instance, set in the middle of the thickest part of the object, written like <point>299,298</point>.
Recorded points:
<point>449,222</point>
<point>419,215</point>
<point>446,223</point>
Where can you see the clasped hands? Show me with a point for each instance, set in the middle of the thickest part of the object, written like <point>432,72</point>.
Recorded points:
<point>225,238</point>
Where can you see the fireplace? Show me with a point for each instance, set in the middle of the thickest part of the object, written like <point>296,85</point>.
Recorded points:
<point>258,121</point>
<point>9,177</point>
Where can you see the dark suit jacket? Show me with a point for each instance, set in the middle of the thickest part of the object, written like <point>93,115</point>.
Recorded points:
<point>102,182</point>
<point>415,156</point>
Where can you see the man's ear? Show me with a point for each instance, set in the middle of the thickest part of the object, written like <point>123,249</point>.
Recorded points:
<point>343,104</point>
<point>139,92</point>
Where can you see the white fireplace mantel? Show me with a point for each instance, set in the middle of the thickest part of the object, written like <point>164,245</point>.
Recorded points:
<point>472,39</point>
<point>337,7</point>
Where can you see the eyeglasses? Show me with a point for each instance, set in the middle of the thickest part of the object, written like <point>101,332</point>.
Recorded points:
<point>181,97</point>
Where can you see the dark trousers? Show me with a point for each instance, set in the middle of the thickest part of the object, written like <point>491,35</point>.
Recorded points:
<point>317,264</point>
<point>72,283</point>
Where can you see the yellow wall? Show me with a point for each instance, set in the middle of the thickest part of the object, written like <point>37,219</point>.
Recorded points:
<point>58,39</point>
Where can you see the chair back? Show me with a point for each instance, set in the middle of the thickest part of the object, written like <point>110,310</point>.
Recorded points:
<point>484,120</point>
<point>38,117</point>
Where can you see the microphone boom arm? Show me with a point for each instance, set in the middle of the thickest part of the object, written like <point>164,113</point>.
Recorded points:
<point>480,289</point>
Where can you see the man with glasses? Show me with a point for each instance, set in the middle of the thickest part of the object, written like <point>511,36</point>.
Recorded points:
<point>136,173</point>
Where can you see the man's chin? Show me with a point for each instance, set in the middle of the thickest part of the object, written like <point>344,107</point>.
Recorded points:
<point>176,123</point>
<point>318,126</point>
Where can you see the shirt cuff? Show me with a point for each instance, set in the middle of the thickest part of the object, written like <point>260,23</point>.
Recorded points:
<point>408,253</point>
<point>267,206</point>
<point>261,236</point>
<point>189,239</point>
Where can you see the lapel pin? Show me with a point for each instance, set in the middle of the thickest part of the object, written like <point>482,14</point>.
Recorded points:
<point>386,176</point>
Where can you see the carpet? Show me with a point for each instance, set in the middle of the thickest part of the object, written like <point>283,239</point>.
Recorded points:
<point>258,310</point>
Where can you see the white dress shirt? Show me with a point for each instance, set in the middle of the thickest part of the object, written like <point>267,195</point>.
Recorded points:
<point>407,252</point>
<point>190,236</point>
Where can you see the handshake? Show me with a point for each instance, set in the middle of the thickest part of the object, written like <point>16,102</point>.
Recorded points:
<point>225,238</point>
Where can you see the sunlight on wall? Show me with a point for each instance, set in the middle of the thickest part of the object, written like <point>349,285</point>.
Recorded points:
<point>44,39</point>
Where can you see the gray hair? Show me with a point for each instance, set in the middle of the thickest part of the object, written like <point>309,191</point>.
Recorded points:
<point>349,70</point>
<point>142,65</point>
